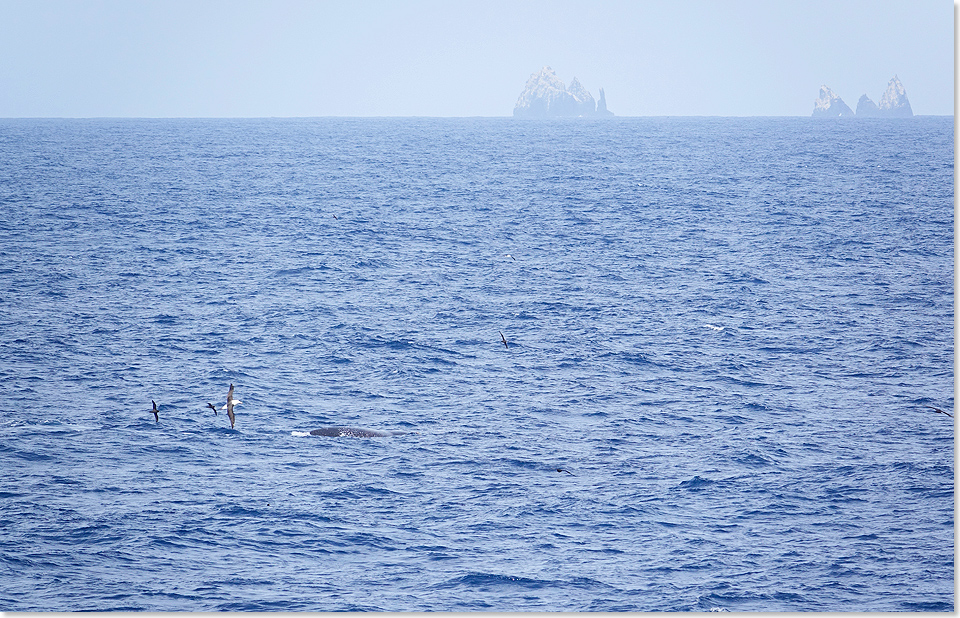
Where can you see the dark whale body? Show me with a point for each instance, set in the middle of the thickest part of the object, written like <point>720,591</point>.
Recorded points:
<point>354,432</point>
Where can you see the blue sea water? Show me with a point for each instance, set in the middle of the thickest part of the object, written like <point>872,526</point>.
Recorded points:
<point>724,329</point>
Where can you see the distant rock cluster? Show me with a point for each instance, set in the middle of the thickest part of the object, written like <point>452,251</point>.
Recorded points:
<point>893,104</point>
<point>546,96</point>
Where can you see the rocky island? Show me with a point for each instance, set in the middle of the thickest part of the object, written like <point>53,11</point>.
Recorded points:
<point>545,96</point>
<point>893,104</point>
<point>894,101</point>
<point>830,105</point>
<point>867,108</point>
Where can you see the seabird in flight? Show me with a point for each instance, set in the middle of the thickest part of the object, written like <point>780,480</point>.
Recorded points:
<point>504,340</point>
<point>230,400</point>
<point>214,408</point>
<point>230,403</point>
<point>156,412</point>
<point>939,411</point>
<point>567,471</point>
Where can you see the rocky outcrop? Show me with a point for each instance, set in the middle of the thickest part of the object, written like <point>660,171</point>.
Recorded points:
<point>584,104</point>
<point>894,103</point>
<point>542,95</point>
<point>546,96</point>
<point>867,108</point>
<point>830,105</point>
<point>602,105</point>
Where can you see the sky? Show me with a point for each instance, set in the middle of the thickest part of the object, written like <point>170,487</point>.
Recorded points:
<point>283,58</point>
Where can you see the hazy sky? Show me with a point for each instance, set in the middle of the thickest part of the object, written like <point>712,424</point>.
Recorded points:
<point>157,58</point>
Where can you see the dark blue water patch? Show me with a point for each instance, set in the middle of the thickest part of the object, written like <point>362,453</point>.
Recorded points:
<point>33,456</point>
<point>302,270</point>
<point>752,459</point>
<point>697,483</point>
<point>929,606</point>
<point>490,582</point>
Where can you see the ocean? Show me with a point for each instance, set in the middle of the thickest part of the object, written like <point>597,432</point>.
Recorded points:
<point>642,364</point>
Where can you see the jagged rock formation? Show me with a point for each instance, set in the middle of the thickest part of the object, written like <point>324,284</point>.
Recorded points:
<point>585,105</point>
<point>602,105</point>
<point>894,102</point>
<point>829,104</point>
<point>546,96</point>
<point>543,94</point>
<point>866,108</point>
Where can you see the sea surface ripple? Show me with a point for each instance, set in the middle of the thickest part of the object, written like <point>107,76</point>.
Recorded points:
<point>725,329</point>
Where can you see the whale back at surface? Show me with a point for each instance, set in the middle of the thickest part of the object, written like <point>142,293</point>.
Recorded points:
<point>354,432</point>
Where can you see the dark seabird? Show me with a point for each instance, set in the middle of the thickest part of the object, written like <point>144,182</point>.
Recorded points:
<point>504,340</point>
<point>156,412</point>
<point>214,408</point>
<point>230,400</point>
<point>230,403</point>
<point>567,471</point>
<point>939,411</point>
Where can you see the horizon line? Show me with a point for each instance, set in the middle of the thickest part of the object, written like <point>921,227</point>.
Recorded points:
<point>523,119</point>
